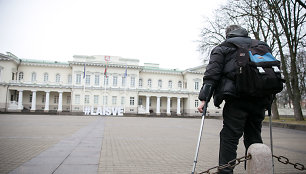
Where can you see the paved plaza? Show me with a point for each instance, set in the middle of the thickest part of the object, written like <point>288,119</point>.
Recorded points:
<point>42,144</point>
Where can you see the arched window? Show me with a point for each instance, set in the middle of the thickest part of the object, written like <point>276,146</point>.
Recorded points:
<point>20,75</point>
<point>33,79</point>
<point>57,78</point>
<point>160,83</point>
<point>149,83</point>
<point>46,77</point>
<point>180,85</point>
<point>170,84</point>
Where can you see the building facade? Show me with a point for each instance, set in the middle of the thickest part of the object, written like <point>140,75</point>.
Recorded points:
<point>98,84</point>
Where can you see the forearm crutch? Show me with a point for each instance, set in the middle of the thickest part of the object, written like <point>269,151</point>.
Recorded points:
<point>199,139</point>
<point>271,140</point>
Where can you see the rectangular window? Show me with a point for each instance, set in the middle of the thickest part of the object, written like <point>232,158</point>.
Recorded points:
<point>46,77</point>
<point>87,80</point>
<point>33,77</point>
<point>78,79</point>
<point>96,99</point>
<point>69,79</point>
<point>97,80</point>
<point>104,100</point>
<point>123,81</point>
<point>160,83</point>
<point>196,103</point>
<point>122,100</point>
<point>43,99</point>
<point>86,99</point>
<point>30,97</point>
<point>140,101</point>
<point>114,100</point>
<point>196,85</point>
<point>115,79</point>
<point>77,99</point>
<point>140,83</point>
<point>55,99</point>
<point>132,82</point>
<point>105,81</point>
<point>57,78</point>
<point>132,101</point>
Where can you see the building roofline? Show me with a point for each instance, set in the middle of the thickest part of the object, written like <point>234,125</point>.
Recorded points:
<point>9,56</point>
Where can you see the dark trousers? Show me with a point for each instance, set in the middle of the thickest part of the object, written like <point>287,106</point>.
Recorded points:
<point>240,117</point>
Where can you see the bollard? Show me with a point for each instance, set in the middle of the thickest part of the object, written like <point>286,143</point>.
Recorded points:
<point>261,161</point>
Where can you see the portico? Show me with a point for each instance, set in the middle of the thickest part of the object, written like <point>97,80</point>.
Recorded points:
<point>160,104</point>
<point>39,100</point>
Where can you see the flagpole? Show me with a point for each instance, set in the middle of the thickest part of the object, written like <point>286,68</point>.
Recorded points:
<point>106,58</point>
<point>105,76</point>
<point>125,85</point>
<point>84,79</point>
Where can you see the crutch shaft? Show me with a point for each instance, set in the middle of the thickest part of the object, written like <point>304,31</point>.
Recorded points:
<point>199,138</point>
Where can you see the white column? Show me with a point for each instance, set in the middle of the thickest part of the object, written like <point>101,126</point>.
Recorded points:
<point>33,107</point>
<point>148,105</point>
<point>60,102</point>
<point>168,106</point>
<point>20,106</point>
<point>47,101</point>
<point>178,112</point>
<point>158,106</point>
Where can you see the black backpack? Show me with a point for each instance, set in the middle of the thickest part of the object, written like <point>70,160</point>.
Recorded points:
<point>258,73</point>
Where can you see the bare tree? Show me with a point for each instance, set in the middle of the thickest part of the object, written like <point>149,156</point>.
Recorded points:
<point>291,17</point>
<point>301,3</point>
<point>213,33</point>
<point>251,14</point>
<point>267,21</point>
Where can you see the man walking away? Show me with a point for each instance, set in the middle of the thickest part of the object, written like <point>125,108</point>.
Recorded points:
<point>241,115</point>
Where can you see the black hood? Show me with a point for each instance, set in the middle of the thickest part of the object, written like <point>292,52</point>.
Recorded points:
<point>238,33</point>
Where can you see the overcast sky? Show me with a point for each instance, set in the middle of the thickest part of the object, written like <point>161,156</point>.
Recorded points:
<point>153,31</point>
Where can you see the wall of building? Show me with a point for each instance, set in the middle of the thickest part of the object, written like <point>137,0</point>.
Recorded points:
<point>40,70</point>
<point>73,94</point>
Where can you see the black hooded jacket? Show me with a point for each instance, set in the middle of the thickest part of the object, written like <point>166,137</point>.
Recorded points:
<point>222,64</point>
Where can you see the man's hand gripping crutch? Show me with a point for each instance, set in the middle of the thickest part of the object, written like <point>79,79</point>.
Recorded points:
<point>206,92</point>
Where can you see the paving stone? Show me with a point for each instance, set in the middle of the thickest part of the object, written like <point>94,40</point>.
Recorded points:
<point>77,169</point>
<point>124,145</point>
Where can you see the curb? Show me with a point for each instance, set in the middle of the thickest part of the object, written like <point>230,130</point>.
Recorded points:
<point>286,125</point>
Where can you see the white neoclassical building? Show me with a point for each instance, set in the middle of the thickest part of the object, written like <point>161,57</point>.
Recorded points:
<point>98,84</point>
